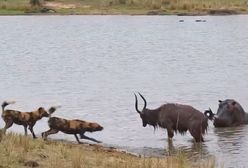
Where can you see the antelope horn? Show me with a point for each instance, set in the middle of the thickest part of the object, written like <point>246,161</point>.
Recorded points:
<point>144,100</point>
<point>136,104</point>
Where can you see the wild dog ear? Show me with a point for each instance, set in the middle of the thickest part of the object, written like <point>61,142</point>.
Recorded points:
<point>40,109</point>
<point>92,125</point>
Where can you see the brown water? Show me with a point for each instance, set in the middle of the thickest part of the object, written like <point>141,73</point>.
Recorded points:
<point>92,65</point>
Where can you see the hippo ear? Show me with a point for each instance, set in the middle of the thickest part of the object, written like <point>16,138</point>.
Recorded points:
<point>233,103</point>
<point>220,101</point>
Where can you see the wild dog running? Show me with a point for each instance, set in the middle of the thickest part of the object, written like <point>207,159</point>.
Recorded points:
<point>70,127</point>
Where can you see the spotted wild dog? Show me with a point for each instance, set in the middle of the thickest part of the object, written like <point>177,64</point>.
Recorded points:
<point>27,119</point>
<point>71,127</point>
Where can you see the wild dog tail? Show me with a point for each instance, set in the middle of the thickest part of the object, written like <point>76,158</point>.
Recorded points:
<point>52,110</point>
<point>6,103</point>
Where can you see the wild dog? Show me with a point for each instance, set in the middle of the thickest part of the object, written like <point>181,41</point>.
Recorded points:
<point>71,127</point>
<point>27,119</point>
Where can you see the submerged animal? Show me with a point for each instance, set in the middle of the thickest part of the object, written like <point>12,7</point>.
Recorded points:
<point>71,127</point>
<point>174,117</point>
<point>27,119</point>
<point>230,113</point>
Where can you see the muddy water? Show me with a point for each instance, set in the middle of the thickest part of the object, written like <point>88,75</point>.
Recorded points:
<point>92,65</point>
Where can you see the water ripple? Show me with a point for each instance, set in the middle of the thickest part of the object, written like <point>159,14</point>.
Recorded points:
<point>91,65</point>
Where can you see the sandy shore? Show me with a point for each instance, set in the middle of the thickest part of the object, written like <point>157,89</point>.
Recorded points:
<point>21,151</point>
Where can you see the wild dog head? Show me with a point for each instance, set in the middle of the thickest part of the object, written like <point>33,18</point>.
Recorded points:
<point>92,127</point>
<point>89,127</point>
<point>42,112</point>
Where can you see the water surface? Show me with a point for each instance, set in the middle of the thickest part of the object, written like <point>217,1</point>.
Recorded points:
<point>92,65</point>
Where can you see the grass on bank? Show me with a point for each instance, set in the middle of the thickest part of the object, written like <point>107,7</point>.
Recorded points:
<point>20,151</point>
<point>126,6</point>
<point>14,6</point>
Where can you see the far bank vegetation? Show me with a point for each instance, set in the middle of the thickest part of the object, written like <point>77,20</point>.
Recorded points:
<point>124,6</point>
<point>184,4</point>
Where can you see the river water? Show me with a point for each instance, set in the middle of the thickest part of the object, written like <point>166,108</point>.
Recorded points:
<point>92,65</point>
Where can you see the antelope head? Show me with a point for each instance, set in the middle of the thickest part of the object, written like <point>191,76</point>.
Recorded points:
<point>143,113</point>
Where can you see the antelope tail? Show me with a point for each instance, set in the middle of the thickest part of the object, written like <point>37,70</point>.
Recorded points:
<point>209,114</point>
<point>145,103</point>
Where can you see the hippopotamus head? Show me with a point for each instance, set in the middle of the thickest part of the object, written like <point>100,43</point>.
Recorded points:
<point>229,113</point>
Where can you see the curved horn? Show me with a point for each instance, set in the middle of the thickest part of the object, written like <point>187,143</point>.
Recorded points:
<point>144,100</point>
<point>136,104</point>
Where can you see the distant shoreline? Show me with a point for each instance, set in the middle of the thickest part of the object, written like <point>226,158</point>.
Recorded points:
<point>151,13</point>
<point>9,8</point>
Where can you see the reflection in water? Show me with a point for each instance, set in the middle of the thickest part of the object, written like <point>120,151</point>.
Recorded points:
<point>91,65</point>
<point>231,140</point>
<point>195,151</point>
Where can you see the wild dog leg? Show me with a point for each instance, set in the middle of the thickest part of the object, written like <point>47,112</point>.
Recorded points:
<point>25,130</point>
<point>49,132</point>
<point>30,127</point>
<point>82,136</point>
<point>77,139</point>
<point>8,124</point>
